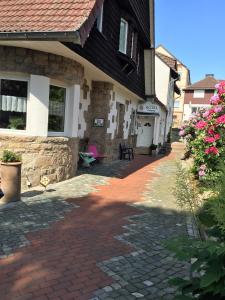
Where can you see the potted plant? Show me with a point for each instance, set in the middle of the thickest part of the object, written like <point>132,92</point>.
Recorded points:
<point>153,149</point>
<point>10,173</point>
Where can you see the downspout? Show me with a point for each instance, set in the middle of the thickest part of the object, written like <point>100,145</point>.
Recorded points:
<point>172,81</point>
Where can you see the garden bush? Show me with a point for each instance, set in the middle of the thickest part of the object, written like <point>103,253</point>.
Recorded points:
<point>208,269</point>
<point>205,136</point>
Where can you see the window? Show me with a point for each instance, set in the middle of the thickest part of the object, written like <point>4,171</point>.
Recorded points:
<point>194,110</point>
<point>180,75</point>
<point>13,104</point>
<point>199,93</point>
<point>134,46</point>
<point>57,105</point>
<point>138,63</point>
<point>176,104</point>
<point>120,119</point>
<point>123,36</point>
<point>133,121</point>
<point>100,19</point>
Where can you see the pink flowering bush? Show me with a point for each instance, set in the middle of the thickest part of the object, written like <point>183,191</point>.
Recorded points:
<point>205,135</point>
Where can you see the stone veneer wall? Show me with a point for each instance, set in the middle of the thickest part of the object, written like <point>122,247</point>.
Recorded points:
<point>34,62</point>
<point>101,100</point>
<point>55,157</point>
<point>99,108</point>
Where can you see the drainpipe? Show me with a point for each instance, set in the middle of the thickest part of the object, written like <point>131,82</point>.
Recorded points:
<point>171,89</point>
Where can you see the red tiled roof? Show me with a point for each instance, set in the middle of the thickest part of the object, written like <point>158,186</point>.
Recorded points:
<point>46,15</point>
<point>169,61</point>
<point>208,83</point>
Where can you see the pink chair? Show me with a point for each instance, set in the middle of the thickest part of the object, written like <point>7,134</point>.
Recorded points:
<point>93,149</point>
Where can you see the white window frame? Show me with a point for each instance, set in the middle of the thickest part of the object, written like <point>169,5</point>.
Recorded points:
<point>9,76</point>
<point>100,18</point>
<point>138,62</point>
<point>132,45</point>
<point>124,50</point>
<point>66,121</point>
<point>199,93</point>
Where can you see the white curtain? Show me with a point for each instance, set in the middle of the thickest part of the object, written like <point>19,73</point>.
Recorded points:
<point>13,104</point>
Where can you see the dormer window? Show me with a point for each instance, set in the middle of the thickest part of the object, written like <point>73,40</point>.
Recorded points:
<point>123,36</point>
<point>100,19</point>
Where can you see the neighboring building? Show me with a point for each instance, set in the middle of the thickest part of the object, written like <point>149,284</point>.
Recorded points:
<point>71,72</point>
<point>182,83</point>
<point>166,76</point>
<point>197,95</point>
<point>151,120</point>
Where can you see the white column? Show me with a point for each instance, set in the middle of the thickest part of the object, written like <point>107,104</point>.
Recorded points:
<point>156,130</point>
<point>37,106</point>
<point>74,114</point>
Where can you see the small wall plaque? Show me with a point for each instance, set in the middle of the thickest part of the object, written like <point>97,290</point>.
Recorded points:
<point>99,122</point>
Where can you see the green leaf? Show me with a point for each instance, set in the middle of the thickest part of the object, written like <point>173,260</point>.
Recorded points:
<point>209,278</point>
<point>178,282</point>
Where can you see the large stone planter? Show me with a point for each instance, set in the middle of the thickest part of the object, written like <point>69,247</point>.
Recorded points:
<point>10,182</point>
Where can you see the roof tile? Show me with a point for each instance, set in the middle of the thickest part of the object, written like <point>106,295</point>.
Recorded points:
<point>169,61</point>
<point>44,15</point>
<point>208,82</point>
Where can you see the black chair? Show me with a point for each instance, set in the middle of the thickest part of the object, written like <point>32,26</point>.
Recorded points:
<point>126,151</point>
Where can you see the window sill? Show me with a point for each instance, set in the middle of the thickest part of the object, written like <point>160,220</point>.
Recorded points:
<point>13,131</point>
<point>57,134</point>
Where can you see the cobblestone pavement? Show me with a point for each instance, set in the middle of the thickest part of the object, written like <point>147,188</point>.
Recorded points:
<point>38,209</point>
<point>145,272</point>
<point>105,242</point>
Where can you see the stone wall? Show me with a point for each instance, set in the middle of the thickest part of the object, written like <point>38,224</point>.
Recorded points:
<point>34,62</point>
<point>55,157</point>
<point>102,104</point>
<point>99,108</point>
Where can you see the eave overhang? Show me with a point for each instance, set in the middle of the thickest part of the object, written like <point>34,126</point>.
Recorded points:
<point>67,36</point>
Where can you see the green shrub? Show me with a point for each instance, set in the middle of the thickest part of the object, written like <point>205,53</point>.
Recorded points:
<point>153,147</point>
<point>208,267</point>
<point>212,213</point>
<point>9,156</point>
<point>185,190</point>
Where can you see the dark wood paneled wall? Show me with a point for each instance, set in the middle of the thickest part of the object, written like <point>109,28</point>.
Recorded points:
<point>101,49</point>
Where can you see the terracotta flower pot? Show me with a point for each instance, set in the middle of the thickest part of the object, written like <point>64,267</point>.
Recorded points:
<point>10,182</point>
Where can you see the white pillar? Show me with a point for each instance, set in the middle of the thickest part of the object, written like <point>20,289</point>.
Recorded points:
<point>156,130</point>
<point>74,117</point>
<point>37,106</point>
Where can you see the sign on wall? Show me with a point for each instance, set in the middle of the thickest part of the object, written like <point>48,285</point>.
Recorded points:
<point>148,108</point>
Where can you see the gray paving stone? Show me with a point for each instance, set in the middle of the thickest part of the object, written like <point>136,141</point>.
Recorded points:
<point>39,209</point>
<point>147,270</point>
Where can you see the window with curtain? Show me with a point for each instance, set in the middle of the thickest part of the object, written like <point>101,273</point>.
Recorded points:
<point>57,105</point>
<point>13,104</point>
<point>123,36</point>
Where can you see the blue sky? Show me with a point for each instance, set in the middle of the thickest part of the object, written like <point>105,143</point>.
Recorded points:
<point>193,30</point>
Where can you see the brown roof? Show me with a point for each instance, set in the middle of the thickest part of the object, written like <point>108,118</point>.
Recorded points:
<point>169,61</point>
<point>18,16</point>
<point>208,83</point>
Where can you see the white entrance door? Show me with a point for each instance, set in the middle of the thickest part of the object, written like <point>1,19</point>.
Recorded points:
<point>145,131</point>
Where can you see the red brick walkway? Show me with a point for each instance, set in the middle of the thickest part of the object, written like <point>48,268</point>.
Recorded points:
<point>60,263</point>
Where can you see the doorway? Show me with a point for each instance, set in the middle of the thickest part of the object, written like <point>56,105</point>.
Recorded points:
<point>145,131</point>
